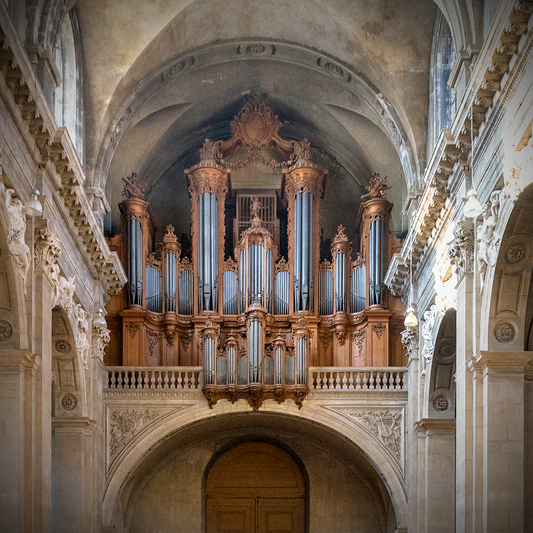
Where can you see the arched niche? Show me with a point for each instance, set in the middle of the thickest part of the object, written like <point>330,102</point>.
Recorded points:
<point>504,315</point>
<point>168,466</point>
<point>69,375</point>
<point>441,398</point>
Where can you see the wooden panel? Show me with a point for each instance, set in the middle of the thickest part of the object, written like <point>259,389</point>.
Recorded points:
<point>230,515</point>
<point>280,516</point>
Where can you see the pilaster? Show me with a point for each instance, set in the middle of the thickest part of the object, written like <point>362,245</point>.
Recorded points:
<point>437,474</point>
<point>503,409</point>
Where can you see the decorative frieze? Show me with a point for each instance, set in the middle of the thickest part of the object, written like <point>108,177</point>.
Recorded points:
<point>125,424</point>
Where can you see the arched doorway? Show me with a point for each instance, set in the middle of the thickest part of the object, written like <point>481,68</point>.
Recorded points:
<point>255,487</point>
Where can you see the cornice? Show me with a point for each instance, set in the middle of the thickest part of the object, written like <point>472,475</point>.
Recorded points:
<point>453,148</point>
<point>55,150</point>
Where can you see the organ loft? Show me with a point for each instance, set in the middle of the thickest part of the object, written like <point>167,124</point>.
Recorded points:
<point>258,301</point>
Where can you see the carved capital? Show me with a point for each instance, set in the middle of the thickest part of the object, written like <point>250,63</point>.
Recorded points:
<point>100,338</point>
<point>305,177</point>
<point>46,251</point>
<point>208,178</point>
<point>461,249</point>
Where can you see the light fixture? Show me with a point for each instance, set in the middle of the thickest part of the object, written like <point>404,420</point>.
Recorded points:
<point>99,318</point>
<point>410,318</point>
<point>33,206</point>
<point>472,207</point>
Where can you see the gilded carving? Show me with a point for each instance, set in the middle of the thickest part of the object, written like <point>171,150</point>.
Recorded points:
<point>377,188</point>
<point>133,188</point>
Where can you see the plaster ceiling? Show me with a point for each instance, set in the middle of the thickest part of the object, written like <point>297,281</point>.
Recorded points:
<point>338,72</point>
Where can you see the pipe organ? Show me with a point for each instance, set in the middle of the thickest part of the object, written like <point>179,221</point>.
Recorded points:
<point>258,320</point>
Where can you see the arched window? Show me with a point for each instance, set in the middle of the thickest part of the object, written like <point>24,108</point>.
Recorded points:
<point>67,97</point>
<point>441,95</point>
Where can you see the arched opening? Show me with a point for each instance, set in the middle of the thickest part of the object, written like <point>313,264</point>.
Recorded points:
<point>170,482</point>
<point>255,486</point>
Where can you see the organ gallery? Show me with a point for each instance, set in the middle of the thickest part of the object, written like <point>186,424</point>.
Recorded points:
<point>260,317</point>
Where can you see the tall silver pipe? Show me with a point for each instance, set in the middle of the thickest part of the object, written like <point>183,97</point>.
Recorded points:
<point>305,252</point>
<point>214,254</point>
<point>297,250</point>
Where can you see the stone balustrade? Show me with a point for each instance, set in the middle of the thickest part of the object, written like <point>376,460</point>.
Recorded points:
<point>154,377</point>
<point>363,378</point>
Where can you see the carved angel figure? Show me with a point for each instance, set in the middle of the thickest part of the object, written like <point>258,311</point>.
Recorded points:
<point>487,236</point>
<point>16,231</point>
<point>377,187</point>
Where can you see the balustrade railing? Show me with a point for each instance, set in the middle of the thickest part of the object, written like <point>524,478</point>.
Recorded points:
<point>154,377</point>
<point>363,378</point>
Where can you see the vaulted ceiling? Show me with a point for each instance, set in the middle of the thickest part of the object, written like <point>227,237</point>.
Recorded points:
<point>160,76</point>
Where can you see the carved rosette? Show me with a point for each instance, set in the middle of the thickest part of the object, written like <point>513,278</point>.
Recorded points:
<point>410,342</point>
<point>304,177</point>
<point>461,249</point>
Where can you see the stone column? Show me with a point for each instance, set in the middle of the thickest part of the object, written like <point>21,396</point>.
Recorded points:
<point>529,447</point>
<point>72,466</point>
<point>461,252</point>
<point>17,369</point>
<point>503,409</point>
<point>436,439</point>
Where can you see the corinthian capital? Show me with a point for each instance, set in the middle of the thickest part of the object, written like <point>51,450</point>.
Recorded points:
<point>410,342</point>
<point>461,249</point>
<point>100,340</point>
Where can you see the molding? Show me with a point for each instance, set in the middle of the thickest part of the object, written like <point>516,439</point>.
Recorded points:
<point>435,426</point>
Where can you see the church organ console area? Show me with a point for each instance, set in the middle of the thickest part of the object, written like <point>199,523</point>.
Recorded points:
<point>258,319</point>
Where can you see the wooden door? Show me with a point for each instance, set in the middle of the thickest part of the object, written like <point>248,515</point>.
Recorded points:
<point>255,488</point>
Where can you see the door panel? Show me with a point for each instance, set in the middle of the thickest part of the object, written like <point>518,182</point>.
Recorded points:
<point>280,515</point>
<point>230,515</point>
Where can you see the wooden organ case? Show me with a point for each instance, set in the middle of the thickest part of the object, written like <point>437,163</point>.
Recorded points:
<point>255,322</point>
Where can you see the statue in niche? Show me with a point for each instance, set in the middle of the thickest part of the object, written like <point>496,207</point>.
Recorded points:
<point>377,188</point>
<point>133,188</point>
<point>255,209</point>
<point>16,232</point>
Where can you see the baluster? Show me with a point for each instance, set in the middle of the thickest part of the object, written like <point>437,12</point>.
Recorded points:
<point>152,381</point>
<point>350,386</point>
<point>338,381</point>
<point>399,385</point>
<point>113,380</point>
<point>145,380</point>
<point>172,379</point>
<point>365,381</point>
<point>344,381</point>
<point>331,384</point>
<point>391,380</point>
<point>371,381</point>
<point>180,381</point>
<point>165,386</point>
<point>378,380</point>
<point>358,380</point>
<point>319,380</point>
<point>159,381</point>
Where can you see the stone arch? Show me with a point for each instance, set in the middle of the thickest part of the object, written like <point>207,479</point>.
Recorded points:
<point>13,324</point>
<point>440,398</point>
<point>337,422</point>
<point>506,282</point>
<point>69,373</point>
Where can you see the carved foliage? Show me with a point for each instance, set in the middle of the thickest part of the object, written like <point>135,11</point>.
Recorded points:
<point>133,188</point>
<point>126,424</point>
<point>377,188</point>
<point>100,338</point>
<point>410,342</point>
<point>358,338</point>
<point>429,322</point>
<point>386,426</point>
